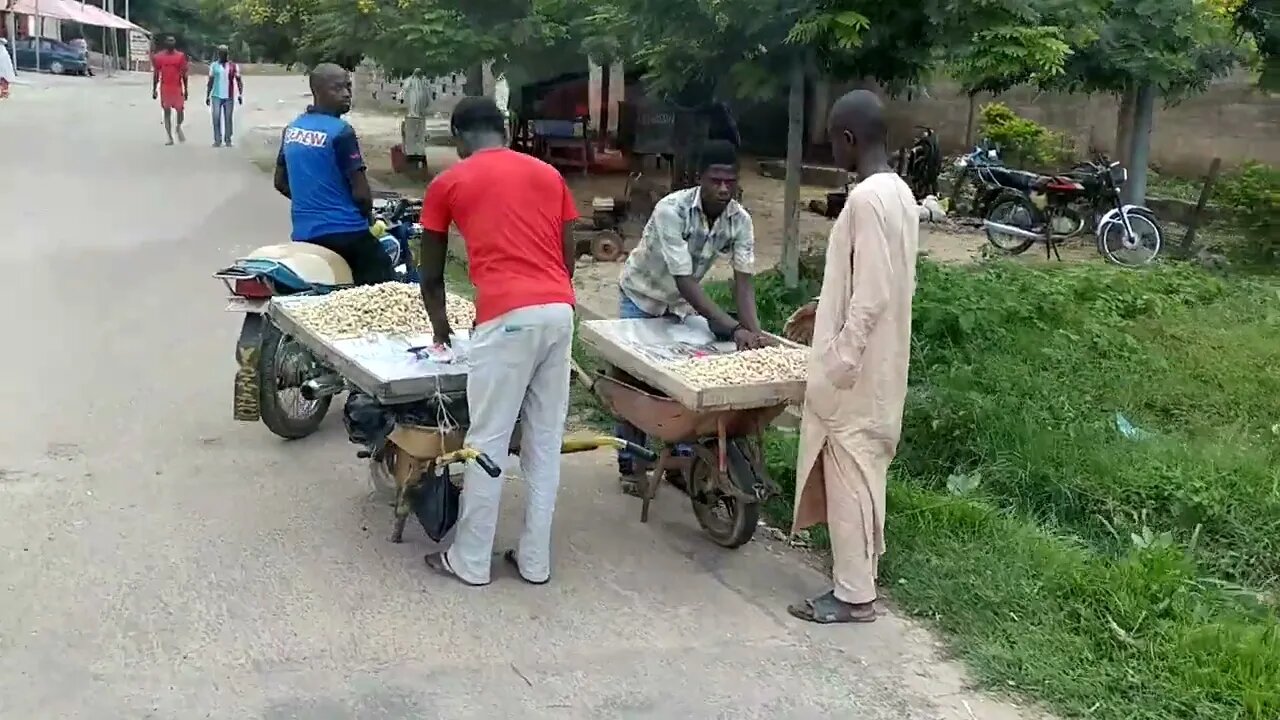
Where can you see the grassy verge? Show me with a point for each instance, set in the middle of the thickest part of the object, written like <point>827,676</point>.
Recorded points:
<point>1105,574</point>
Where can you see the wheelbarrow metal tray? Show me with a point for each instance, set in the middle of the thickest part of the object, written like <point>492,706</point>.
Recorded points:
<point>380,365</point>
<point>671,422</point>
<point>643,347</point>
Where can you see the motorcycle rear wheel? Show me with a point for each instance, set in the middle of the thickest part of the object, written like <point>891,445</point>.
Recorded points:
<point>1016,210</point>
<point>280,369</point>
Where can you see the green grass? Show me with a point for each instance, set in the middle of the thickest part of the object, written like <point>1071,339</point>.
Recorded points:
<point>1098,575</point>
<point>1172,187</point>
<point>1103,576</point>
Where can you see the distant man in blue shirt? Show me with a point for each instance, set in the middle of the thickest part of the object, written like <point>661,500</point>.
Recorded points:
<point>320,169</point>
<point>224,89</point>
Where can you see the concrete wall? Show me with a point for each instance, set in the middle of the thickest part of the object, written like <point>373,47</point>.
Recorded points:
<point>373,90</point>
<point>1234,121</point>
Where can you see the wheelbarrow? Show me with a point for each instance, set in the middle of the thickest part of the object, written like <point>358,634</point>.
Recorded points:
<point>725,475</point>
<point>414,452</point>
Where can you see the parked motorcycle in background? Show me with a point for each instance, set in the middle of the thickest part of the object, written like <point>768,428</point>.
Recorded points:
<point>921,164</point>
<point>978,173</point>
<point>1048,210</point>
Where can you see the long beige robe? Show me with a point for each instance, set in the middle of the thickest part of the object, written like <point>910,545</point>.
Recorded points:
<point>852,416</point>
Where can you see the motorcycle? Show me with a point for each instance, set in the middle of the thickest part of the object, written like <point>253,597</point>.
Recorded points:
<point>1127,235</point>
<point>279,381</point>
<point>921,163</point>
<point>981,168</point>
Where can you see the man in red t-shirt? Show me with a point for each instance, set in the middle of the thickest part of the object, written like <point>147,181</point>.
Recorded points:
<point>516,217</point>
<point>169,83</point>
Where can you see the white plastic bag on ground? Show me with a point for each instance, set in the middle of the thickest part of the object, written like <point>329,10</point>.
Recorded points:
<point>931,210</point>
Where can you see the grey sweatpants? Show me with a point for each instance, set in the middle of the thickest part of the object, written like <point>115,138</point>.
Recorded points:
<point>519,368</point>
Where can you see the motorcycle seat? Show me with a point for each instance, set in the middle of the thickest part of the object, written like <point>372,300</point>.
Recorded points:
<point>315,264</point>
<point>1018,179</point>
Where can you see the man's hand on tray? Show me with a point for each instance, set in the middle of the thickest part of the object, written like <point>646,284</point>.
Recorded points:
<point>750,340</point>
<point>443,337</point>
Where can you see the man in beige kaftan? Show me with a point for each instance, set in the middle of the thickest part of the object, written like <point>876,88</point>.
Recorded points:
<point>852,414</point>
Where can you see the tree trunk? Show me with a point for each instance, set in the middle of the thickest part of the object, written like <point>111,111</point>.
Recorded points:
<point>1206,191</point>
<point>474,86</point>
<point>1124,126</point>
<point>795,166</point>
<point>1143,116</point>
<point>969,121</point>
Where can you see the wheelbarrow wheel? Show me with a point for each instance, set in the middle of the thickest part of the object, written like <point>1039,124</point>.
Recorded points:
<point>727,519</point>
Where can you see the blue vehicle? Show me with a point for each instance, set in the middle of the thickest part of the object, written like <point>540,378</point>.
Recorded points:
<point>56,57</point>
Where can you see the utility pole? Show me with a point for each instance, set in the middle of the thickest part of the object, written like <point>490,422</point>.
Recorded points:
<point>38,33</point>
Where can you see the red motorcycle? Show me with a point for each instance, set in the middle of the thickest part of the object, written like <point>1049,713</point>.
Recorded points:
<point>1052,208</point>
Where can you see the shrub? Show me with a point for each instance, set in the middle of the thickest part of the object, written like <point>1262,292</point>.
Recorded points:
<point>1023,141</point>
<point>1253,196</point>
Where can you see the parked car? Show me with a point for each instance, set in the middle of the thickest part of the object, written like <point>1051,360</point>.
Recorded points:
<point>56,57</point>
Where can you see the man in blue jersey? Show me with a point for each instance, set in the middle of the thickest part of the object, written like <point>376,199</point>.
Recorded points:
<point>320,169</point>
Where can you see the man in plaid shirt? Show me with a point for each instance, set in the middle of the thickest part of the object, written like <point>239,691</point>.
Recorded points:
<point>685,234</point>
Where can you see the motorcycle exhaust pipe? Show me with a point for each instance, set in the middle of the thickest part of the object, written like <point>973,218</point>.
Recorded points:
<point>1012,230</point>
<point>322,387</point>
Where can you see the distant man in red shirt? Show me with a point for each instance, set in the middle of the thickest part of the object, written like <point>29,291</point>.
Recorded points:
<point>516,217</point>
<point>169,83</point>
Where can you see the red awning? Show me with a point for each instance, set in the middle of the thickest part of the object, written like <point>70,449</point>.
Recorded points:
<point>73,11</point>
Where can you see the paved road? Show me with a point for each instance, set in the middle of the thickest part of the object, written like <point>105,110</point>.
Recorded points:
<point>162,561</point>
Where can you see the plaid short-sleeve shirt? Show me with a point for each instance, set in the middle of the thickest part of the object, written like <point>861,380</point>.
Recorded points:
<point>677,241</point>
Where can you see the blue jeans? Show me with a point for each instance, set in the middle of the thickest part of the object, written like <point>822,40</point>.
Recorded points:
<point>628,310</point>
<point>222,109</point>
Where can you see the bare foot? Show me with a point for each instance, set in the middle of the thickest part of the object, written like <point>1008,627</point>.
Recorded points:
<point>181,136</point>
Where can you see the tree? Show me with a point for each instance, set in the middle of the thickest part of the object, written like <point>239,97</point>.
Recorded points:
<point>438,36</point>
<point>1149,48</point>
<point>1260,21</point>
<point>750,46</point>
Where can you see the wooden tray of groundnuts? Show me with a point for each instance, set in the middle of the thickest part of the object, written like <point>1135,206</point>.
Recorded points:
<point>684,360</point>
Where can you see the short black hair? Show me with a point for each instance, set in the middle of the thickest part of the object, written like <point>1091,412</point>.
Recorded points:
<point>477,114</point>
<point>717,152</point>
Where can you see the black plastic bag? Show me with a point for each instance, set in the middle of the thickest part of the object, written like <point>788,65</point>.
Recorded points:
<point>367,421</point>
<point>437,502</point>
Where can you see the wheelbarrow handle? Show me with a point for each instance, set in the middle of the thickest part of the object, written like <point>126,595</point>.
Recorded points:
<point>583,444</point>
<point>484,461</point>
<point>489,466</point>
<point>639,451</point>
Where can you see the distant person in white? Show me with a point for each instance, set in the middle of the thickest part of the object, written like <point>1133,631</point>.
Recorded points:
<point>7,74</point>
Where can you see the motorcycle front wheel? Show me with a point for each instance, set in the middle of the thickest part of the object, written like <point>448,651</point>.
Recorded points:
<point>1140,248</point>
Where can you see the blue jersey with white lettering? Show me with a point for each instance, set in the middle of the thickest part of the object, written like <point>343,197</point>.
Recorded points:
<point>319,152</point>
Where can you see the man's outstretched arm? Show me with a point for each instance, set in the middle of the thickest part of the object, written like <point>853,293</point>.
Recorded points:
<point>435,252</point>
<point>437,216</point>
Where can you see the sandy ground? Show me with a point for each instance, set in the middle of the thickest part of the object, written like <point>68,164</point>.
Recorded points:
<point>161,561</point>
